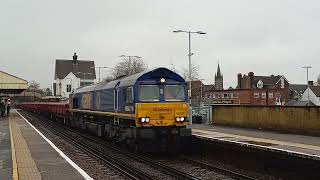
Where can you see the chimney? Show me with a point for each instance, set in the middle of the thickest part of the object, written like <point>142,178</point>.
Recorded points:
<point>75,57</point>
<point>251,75</point>
<point>239,80</point>
<point>310,83</point>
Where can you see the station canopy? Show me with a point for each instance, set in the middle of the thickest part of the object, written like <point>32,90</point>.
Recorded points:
<point>10,84</point>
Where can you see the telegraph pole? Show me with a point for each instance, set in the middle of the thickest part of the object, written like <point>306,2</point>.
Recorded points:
<point>307,67</point>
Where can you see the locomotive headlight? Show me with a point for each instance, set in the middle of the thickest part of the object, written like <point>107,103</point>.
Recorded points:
<point>180,119</point>
<point>145,119</point>
<point>162,80</point>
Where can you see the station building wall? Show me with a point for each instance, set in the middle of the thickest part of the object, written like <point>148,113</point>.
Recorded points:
<point>304,120</point>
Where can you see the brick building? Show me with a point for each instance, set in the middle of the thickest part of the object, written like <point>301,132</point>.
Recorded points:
<point>253,90</point>
<point>197,91</point>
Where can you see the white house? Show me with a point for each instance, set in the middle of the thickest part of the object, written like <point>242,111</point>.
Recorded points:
<point>314,95</point>
<point>71,74</point>
<point>66,85</point>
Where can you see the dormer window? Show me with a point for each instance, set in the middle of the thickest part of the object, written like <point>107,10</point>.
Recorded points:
<point>260,84</point>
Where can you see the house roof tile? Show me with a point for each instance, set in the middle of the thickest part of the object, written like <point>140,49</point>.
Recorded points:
<point>81,69</point>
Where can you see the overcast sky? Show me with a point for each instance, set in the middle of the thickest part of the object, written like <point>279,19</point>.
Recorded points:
<point>263,36</point>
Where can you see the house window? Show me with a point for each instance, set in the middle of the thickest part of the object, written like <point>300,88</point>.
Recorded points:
<point>68,87</point>
<point>263,95</point>
<point>260,84</point>
<point>235,95</point>
<point>225,95</point>
<point>278,101</point>
<point>256,95</point>
<point>270,95</point>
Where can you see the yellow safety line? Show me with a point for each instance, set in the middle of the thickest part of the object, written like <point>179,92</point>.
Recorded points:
<point>15,173</point>
<point>103,113</point>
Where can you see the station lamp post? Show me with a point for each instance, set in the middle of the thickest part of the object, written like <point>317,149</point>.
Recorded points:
<point>99,69</point>
<point>307,67</point>
<point>124,56</point>
<point>189,55</point>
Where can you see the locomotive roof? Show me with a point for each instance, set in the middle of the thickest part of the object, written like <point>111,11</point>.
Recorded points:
<point>84,89</point>
<point>156,73</point>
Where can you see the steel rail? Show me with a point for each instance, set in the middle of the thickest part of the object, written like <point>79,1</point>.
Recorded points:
<point>223,170</point>
<point>174,172</point>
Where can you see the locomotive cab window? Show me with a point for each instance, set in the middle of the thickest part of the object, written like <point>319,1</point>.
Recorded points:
<point>129,95</point>
<point>149,93</point>
<point>174,93</point>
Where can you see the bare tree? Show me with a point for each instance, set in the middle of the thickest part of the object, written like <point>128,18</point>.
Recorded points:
<point>48,92</point>
<point>109,78</point>
<point>318,80</point>
<point>129,66</point>
<point>194,72</point>
<point>33,86</point>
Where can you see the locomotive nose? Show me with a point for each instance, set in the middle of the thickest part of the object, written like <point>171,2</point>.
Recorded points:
<point>162,114</point>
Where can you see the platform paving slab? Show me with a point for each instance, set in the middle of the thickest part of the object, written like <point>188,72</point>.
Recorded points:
<point>5,150</point>
<point>302,145</point>
<point>36,159</point>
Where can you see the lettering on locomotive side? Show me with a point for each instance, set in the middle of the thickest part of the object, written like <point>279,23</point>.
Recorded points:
<point>162,109</point>
<point>86,101</point>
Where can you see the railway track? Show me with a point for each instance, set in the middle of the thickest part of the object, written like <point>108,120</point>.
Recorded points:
<point>131,172</point>
<point>154,163</point>
<point>228,172</point>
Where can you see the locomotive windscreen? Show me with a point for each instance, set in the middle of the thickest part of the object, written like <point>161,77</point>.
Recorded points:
<point>149,93</point>
<point>174,93</point>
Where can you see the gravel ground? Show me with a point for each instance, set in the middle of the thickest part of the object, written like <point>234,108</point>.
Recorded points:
<point>210,160</point>
<point>197,171</point>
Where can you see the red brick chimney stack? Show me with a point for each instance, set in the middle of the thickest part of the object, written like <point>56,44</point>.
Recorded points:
<point>239,80</point>
<point>251,75</point>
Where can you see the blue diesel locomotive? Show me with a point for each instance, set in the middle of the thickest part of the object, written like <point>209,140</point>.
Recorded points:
<point>146,112</point>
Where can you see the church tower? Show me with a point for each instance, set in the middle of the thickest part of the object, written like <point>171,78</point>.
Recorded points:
<point>218,79</point>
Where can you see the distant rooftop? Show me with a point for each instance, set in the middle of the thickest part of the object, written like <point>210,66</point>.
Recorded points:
<point>80,68</point>
<point>315,90</point>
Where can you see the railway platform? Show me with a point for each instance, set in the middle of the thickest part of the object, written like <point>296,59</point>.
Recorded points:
<point>25,153</point>
<point>302,146</point>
